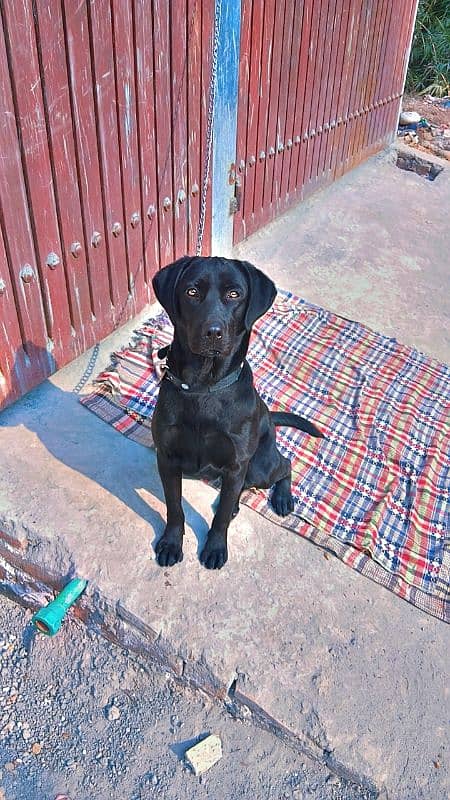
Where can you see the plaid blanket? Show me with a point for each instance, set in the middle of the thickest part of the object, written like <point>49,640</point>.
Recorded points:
<point>376,491</point>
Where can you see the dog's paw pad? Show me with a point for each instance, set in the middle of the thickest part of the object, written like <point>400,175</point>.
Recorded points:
<point>168,553</point>
<point>282,503</point>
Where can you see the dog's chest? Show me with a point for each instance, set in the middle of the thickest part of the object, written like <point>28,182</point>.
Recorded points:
<point>199,443</point>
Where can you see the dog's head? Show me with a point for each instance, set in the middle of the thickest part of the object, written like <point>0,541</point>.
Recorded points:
<point>213,301</point>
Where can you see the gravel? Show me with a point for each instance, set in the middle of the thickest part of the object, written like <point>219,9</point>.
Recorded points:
<point>83,719</point>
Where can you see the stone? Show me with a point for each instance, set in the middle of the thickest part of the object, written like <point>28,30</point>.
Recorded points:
<point>205,754</point>
<point>113,713</point>
<point>409,117</point>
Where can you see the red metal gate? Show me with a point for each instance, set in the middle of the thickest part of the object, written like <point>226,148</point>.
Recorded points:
<point>103,117</point>
<point>319,90</point>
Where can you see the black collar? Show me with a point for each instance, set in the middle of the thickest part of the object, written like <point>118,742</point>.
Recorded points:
<point>228,380</point>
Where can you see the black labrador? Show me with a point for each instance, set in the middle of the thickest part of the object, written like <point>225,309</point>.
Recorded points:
<point>209,420</point>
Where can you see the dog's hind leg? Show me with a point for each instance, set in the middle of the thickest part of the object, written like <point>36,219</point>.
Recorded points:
<point>281,498</point>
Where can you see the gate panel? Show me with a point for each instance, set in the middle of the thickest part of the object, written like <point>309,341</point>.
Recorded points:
<point>336,104</point>
<point>104,114</point>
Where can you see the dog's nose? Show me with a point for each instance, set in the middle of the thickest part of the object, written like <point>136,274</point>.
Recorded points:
<point>214,332</point>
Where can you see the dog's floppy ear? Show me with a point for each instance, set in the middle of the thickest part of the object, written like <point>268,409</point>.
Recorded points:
<point>165,283</point>
<point>262,293</point>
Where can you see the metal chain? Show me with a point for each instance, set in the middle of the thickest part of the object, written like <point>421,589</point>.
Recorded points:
<point>206,170</point>
<point>88,371</point>
<point>209,128</point>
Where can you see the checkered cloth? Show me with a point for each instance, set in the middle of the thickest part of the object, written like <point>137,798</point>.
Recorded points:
<point>376,491</point>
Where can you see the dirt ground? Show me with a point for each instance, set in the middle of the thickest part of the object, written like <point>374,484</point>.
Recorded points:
<point>435,138</point>
<point>56,738</point>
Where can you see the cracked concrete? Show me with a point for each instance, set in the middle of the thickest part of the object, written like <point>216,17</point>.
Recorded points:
<point>340,667</point>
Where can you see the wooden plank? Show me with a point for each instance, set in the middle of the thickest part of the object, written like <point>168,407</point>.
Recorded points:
<point>399,64</point>
<point>108,137</point>
<point>318,98</point>
<point>373,81</point>
<point>324,90</point>
<point>337,88</point>
<point>18,233</point>
<point>262,146</point>
<point>357,84</point>
<point>124,46</point>
<point>290,147</point>
<point>163,120</point>
<point>283,96</point>
<point>208,15</point>
<point>13,373</point>
<point>147,138</point>
<point>65,174</point>
<point>310,99</point>
<point>83,109</point>
<point>273,123</point>
<point>179,127</point>
<point>356,30</point>
<point>301,115</point>
<point>194,104</point>
<point>32,122</point>
<point>249,67</point>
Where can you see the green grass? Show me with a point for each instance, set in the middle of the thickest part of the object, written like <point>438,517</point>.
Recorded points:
<point>429,65</point>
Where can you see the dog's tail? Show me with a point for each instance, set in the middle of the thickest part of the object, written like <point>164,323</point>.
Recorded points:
<point>282,418</point>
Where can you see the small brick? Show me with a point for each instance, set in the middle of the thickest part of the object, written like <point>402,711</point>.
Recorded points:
<point>205,754</point>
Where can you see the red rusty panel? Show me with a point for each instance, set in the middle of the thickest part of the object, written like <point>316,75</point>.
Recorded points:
<point>207,51</point>
<point>84,119</point>
<point>293,99</point>
<point>147,137</point>
<point>273,126</point>
<point>32,121</point>
<point>14,379</point>
<point>161,43</point>
<point>248,85</point>
<point>15,215</point>
<point>254,220</point>
<point>106,108</point>
<point>64,165</point>
<point>127,123</point>
<point>329,39</point>
<point>179,125</point>
<point>301,119</point>
<point>103,134</point>
<point>283,98</point>
<point>332,74</point>
<point>194,104</point>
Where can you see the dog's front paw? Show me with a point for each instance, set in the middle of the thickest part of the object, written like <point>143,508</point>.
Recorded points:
<point>282,502</point>
<point>215,553</point>
<point>169,550</point>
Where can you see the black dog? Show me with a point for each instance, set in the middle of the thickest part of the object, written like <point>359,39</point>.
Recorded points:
<point>209,420</point>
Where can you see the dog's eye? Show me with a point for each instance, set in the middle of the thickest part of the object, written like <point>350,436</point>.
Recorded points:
<point>192,291</point>
<point>233,294</point>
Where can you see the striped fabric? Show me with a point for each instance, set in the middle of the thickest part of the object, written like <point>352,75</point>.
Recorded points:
<point>376,491</point>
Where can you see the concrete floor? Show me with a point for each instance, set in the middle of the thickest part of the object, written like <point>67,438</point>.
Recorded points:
<point>342,668</point>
